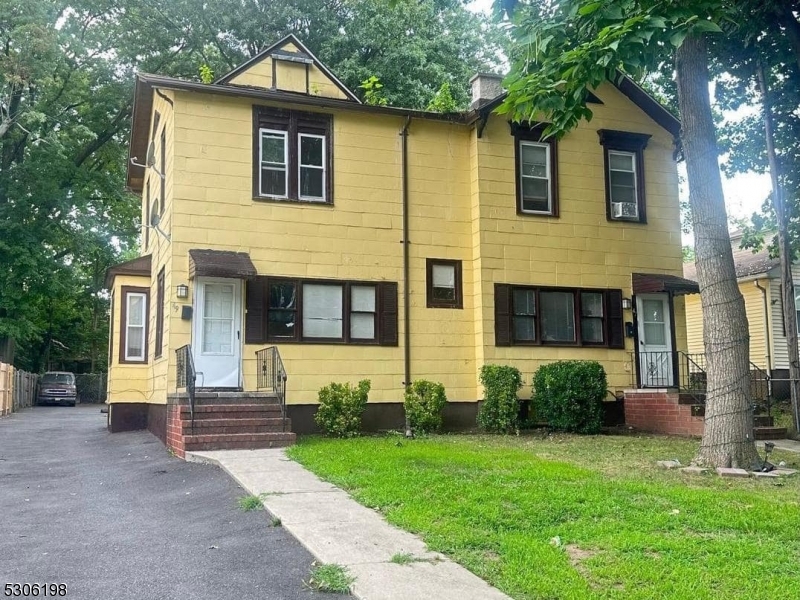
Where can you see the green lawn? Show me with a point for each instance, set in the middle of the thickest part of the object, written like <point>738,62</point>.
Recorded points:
<point>627,529</point>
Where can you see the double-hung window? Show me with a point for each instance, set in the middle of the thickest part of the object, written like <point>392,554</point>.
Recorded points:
<point>624,174</point>
<point>133,329</point>
<point>444,283</point>
<point>528,315</point>
<point>274,173</point>
<point>537,171</point>
<point>292,156</point>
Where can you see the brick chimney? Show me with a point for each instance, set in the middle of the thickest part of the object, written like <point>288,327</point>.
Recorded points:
<point>485,88</point>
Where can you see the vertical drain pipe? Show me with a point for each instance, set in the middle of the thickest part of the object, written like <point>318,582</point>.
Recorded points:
<point>768,336</point>
<point>406,292</point>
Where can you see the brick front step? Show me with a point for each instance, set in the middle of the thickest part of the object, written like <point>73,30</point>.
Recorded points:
<point>211,426</point>
<point>231,441</point>
<point>769,433</point>
<point>224,398</point>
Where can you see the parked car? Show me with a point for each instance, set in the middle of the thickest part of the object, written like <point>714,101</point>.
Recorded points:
<point>57,387</point>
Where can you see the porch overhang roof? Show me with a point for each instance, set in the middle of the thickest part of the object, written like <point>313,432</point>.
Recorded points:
<point>138,267</point>
<point>220,263</point>
<point>653,283</point>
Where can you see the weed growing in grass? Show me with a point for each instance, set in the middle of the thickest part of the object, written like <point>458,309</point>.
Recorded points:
<point>334,579</point>
<point>248,503</point>
<point>405,558</point>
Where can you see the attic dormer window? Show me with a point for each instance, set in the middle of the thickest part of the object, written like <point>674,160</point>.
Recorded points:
<point>292,156</point>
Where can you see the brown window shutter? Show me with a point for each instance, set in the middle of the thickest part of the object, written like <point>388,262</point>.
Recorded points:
<point>255,321</point>
<point>388,313</point>
<point>502,314</point>
<point>616,322</point>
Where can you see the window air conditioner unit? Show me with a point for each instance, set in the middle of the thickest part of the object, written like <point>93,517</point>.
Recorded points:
<point>624,209</point>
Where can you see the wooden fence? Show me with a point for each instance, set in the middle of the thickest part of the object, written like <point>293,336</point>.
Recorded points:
<point>17,389</point>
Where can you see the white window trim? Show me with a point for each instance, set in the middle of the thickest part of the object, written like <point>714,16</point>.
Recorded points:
<point>261,167</point>
<point>632,156</point>
<point>128,356</point>
<point>300,166</point>
<point>522,208</point>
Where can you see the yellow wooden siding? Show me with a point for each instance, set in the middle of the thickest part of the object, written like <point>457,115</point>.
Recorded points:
<point>756,319</point>
<point>358,238</point>
<point>462,206</point>
<point>580,248</point>
<point>127,382</point>
<point>148,383</point>
<point>290,77</point>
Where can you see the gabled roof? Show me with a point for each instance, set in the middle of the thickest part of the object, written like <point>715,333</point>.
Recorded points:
<point>629,88</point>
<point>304,55</point>
<point>747,262</point>
<point>139,267</point>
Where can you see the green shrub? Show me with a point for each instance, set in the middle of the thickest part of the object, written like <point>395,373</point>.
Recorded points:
<point>341,407</point>
<point>424,402</point>
<point>569,395</point>
<point>500,409</point>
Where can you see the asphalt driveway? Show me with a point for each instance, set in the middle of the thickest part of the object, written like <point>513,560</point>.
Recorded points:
<point>115,516</point>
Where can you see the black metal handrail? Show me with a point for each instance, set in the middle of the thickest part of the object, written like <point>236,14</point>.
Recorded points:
<point>658,369</point>
<point>186,376</point>
<point>271,375</point>
<point>761,388</point>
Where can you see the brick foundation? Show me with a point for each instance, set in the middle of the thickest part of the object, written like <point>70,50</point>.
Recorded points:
<point>660,411</point>
<point>175,441</point>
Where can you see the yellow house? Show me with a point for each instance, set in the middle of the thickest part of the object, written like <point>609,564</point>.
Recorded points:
<point>290,230</point>
<point>759,280</point>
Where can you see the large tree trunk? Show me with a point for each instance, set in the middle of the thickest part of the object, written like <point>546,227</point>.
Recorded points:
<point>728,431</point>
<point>785,250</point>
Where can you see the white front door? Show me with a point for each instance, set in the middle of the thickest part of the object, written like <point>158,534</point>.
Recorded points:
<point>655,340</point>
<point>217,333</point>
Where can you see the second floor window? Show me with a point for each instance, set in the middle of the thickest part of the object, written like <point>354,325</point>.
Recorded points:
<point>624,166</point>
<point>537,172</point>
<point>292,156</point>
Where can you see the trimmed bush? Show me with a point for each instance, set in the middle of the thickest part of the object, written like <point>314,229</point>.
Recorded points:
<point>341,407</point>
<point>569,395</point>
<point>500,409</point>
<point>424,402</point>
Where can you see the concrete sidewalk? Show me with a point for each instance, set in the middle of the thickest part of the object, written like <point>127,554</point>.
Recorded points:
<point>336,529</point>
<point>787,445</point>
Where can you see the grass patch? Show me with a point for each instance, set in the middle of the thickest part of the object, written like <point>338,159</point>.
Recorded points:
<point>333,579</point>
<point>275,522</point>
<point>248,503</point>
<point>626,529</point>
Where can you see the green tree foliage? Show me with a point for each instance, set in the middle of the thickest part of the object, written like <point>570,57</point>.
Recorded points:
<point>373,92</point>
<point>443,100</point>
<point>66,91</point>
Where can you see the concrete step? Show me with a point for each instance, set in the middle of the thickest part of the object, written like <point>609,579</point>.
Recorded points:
<point>232,411</point>
<point>769,433</point>
<point>232,441</point>
<point>235,425</point>
<point>202,397</point>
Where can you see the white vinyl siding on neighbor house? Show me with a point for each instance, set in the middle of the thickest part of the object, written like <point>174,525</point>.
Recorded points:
<point>780,352</point>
